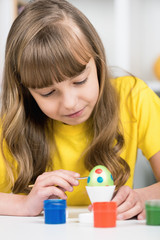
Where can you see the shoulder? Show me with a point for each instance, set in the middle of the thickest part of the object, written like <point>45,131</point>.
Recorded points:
<point>135,98</point>
<point>131,88</point>
<point>127,84</point>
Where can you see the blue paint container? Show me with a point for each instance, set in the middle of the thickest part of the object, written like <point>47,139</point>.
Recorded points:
<point>55,211</point>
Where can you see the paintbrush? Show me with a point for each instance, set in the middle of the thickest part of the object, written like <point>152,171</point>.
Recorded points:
<point>79,178</point>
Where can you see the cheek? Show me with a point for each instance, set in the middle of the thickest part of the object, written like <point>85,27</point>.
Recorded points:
<point>47,108</point>
<point>95,93</point>
<point>91,96</point>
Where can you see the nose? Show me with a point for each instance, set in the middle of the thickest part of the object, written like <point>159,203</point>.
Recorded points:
<point>70,100</point>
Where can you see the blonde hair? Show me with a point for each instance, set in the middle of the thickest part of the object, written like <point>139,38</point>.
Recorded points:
<point>49,40</point>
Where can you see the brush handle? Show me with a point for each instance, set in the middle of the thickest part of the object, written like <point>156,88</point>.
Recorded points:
<point>79,178</point>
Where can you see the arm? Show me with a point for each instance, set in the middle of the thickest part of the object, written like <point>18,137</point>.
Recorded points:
<point>130,202</point>
<point>146,109</point>
<point>48,185</point>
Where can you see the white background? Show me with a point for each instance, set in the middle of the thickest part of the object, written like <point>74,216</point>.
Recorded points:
<point>130,31</point>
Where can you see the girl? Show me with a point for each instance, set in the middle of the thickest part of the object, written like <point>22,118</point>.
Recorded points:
<point>62,114</point>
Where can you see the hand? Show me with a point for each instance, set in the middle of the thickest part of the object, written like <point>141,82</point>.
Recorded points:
<point>129,204</point>
<point>49,185</point>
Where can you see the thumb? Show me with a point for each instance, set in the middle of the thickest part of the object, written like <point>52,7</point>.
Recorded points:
<point>90,208</point>
<point>141,215</point>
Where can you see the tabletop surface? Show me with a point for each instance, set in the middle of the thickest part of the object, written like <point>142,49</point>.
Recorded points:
<point>15,228</point>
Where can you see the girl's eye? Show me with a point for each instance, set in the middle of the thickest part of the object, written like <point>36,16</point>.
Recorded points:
<point>48,94</point>
<point>80,83</point>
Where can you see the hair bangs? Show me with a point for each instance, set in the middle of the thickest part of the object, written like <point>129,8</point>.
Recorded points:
<point>53,55</point>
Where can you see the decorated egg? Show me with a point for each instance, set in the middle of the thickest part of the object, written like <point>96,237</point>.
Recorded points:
<point>100,176</point>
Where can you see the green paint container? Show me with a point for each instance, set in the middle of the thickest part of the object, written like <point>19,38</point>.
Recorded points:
<point>152,212</point>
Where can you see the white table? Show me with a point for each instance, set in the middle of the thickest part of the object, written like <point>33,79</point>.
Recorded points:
<point>26,228</point>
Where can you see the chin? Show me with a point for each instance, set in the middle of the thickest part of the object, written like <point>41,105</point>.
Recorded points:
<point>76,122</point>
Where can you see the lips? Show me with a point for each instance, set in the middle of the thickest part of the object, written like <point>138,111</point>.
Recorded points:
<point>75,114</point>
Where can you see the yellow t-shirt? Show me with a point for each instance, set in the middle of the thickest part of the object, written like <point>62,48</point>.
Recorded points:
<point>140,118</point>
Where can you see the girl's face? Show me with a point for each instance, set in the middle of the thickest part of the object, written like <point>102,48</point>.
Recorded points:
<point>71,101</point>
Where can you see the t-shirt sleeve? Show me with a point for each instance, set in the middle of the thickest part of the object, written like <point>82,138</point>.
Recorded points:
<point>148,121</point>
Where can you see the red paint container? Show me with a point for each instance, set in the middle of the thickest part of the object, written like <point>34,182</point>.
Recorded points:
<point>104,214</point>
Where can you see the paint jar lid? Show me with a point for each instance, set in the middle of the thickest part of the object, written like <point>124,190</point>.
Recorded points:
<point>54,204</point>
<point>104,206</point>
<point>152,208</point>
<point>153,203</point>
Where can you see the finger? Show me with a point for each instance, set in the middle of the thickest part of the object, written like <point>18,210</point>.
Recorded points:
<point>67,177</point>
<point>132,212</point>
<point>90,208</point>
<point>129,203</point>
<point>54,196</point>
<point>121,195</point>
<point>65,172</point>
<point>70,173</point>
<point>45,193</point>
<point>53,178</point>
<point>54,181</point>
<point>62,189</point>
<point>61,172</point>
<point>142,215</point>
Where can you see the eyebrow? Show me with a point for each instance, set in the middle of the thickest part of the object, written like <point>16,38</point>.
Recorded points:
<point>86,68</point>
<point>76,76</point>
